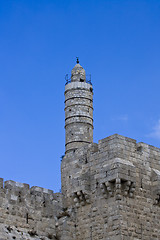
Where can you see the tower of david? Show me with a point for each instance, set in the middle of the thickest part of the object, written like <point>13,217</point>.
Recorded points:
<point>110,190</point>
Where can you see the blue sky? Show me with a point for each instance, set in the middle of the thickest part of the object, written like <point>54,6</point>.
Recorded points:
<point>118,43</point>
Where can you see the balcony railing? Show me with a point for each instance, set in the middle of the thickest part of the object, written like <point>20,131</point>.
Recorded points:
<point>87,80</point>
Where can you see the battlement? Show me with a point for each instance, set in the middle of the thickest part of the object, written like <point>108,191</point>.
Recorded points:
<point>116,138</point>
<point>119,146</point>
<point>17,192</point>
<point>27,210</point>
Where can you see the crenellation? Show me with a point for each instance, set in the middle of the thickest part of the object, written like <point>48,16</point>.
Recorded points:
<point>27,210</point>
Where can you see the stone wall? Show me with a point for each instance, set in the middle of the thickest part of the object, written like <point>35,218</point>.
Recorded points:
<point>113,189</point>
<point>110,191</point>
<point>28,213</point>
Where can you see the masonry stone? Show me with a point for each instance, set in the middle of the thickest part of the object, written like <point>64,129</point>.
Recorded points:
<point>110,190</point>
<point>78,110</point>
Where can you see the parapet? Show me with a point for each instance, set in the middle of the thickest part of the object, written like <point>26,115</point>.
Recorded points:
<point>18,192</point>
<point>28,212</point>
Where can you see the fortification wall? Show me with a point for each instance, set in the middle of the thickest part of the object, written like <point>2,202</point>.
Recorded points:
<point>110,191</point>
<point>28,213</point>
<point>113,188</point>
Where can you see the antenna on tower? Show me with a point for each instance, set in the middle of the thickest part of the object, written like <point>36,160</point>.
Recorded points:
<point>77,59</point>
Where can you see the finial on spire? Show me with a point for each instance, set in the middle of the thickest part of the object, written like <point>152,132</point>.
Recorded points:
<point>77,60</point>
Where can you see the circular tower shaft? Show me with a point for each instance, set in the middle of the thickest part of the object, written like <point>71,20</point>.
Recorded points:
<point>78,110</point>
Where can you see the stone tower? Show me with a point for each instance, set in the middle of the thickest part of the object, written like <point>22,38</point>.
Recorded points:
<point>110,190</point>
<point>78,110</point>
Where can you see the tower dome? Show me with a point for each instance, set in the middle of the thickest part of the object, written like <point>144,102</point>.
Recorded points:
<point>78,110</point>
<point>78,74</point>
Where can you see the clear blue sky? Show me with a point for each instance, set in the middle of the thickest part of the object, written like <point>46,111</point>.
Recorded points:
<point>117,41</point>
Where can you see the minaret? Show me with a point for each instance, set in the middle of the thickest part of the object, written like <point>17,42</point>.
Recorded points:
<point>78,110</point>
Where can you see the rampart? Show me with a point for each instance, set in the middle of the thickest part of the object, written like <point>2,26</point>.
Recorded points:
<point>110,191</point>
<point>28,213</point>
